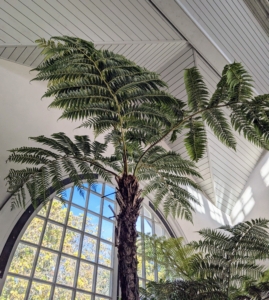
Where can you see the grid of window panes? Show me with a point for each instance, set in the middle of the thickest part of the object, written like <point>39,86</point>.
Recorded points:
<point>149,224</point>
<point>67,250</point>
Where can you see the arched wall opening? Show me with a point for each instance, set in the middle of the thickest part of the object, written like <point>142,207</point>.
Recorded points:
<point>66,250</point>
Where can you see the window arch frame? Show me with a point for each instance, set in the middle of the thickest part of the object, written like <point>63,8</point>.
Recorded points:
<point>30,213</point>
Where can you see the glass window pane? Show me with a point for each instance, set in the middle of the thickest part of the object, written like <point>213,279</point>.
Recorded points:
<point>52,236</point>
<point>89,248</point>
<point>45,265</point>
<point>66,272</point>
<point>139,266</point>
<point>66,194</point>
<point>141,283</point>
<point>97,187</point>
<point>147,227</point>
<point>86,185</point>
<point>43,211</point>
<point>162,272</point>
<point>33,231</point>
<point>79,198</point>
<point>94,203</point>
<point>62,294</point>
<point>14,288</point>
<point>39,291</point>
<point>92,223</point>
<point>107,212</point>
<point>158,229</point>
<point>110,192</point>
<point>85,276</point>
<point>107,230</point>
<point>71,242</point>
<point>147,213</point>
<point>103,281</point>
<point>138,224</point>
<point>75,217</point>
<point>150,270</point>
<point>22,261</point>
<point>82,296</point>
<point>105,253</point>
<point>58,211</point>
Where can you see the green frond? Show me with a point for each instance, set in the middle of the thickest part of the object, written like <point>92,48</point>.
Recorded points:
<point>195,140</point>
<point>196,89</point>
<point>79,160</point>
<point>216,120</point>
<point>96,84</point>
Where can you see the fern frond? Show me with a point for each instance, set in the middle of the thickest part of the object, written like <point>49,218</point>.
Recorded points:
<point>79,160</point>
<point>196,89</point>
<point>195,140</point>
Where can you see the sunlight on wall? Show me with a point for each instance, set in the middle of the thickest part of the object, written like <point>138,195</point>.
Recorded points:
<point>265,172</point>
<point>216,213</point>
<point>243,206</point>
<point>199,207</point>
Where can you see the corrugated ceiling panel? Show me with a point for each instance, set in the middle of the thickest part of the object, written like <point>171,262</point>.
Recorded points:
<point>256,7</point>
<point>22,22</point>
<point>234,29</point>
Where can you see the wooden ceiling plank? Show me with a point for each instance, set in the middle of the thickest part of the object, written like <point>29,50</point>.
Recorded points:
<point>53,25</point>
<point>175,65</point>
<point>135,20</point>
<point>29,22</point>
<point>163,25</point>
<point>111,12</point>
<point>93,29</point>
<point>163,56</point>
<point>25,54</point>
<point>8,52</point>
<point>18,51</point>
<point>71,20</point>
<point>148,21</point>
<point>98,12</point>
<point>32,57</point>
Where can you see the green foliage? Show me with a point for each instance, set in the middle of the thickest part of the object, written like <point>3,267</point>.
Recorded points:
<point>226,266</point>
<point>130,106</point>
<point>172,254</point>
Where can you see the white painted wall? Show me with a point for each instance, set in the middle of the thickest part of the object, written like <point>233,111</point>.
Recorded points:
<point>254,200</point>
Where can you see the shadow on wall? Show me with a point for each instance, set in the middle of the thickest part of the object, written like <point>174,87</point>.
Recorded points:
<point>254,201</point>
<point>204,206</point>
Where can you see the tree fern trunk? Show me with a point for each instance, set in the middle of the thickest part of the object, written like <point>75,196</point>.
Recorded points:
<point>129,201</point>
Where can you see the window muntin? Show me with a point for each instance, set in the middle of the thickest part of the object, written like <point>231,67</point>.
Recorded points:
<point>148,223</point>
<point>67,251</point>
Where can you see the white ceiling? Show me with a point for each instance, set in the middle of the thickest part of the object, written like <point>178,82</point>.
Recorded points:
<point>138,31</point>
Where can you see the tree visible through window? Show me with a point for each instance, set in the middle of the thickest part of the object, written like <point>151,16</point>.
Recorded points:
<point>67,251</point>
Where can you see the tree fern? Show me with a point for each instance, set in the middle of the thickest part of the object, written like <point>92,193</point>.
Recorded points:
<point>131,107</point>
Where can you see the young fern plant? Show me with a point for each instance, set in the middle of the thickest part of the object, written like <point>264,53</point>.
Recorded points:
<point>131,108</point>
<point>225,264</point>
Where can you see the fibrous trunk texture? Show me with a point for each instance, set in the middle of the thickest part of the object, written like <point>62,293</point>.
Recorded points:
<point>128,197</point>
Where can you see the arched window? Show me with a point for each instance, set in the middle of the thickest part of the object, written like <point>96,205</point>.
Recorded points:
<point>67,251</point>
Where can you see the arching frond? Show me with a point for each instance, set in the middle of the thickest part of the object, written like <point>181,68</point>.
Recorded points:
<point>80,160</point>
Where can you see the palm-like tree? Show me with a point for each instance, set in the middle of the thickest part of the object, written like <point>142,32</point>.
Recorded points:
<point>131,107</point>
<point>227,265</point>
